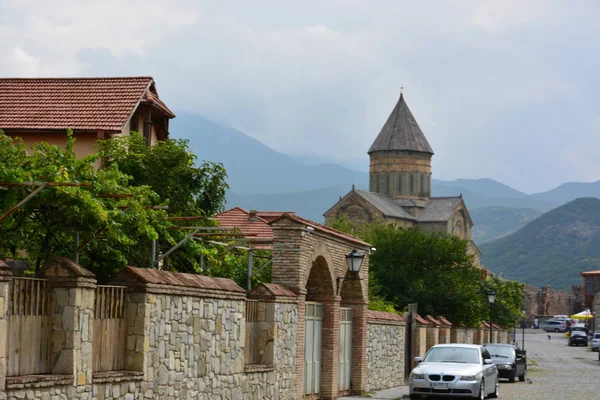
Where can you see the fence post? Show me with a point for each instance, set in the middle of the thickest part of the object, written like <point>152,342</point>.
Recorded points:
<point>73,291</point>
<point>5,274</point>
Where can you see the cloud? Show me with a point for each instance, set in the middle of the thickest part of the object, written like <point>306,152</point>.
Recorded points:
<point>490,82</point>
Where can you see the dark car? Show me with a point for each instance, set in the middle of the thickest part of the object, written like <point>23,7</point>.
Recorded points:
<point>578,335</point>
<point>510,360</point>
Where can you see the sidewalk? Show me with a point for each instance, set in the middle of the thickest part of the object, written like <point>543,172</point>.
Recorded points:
<point>387,394</point>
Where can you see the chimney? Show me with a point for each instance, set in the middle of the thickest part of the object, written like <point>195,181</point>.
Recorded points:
<point>252,215</point>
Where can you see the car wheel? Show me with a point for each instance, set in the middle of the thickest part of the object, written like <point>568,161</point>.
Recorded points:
<point>482,390</point>
<point>512,378</point>
<point>556,330</point>
<point>522,377</point>
<point>496,392</point>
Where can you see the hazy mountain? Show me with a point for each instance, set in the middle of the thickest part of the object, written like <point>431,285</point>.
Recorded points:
<point>476,196</point>
<point>552,249</point>
<point>492,223</point>
<point>253,167</point>
<point>569,191</point>
<point>310,204</point>
<point>484,187</point>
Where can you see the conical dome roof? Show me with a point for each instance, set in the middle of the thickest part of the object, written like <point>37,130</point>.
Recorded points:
<point>401,132</point>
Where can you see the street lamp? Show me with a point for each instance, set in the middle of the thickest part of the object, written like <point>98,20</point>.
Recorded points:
<point>491,300</point>
<point>523,312</point>
<point>354,260</point>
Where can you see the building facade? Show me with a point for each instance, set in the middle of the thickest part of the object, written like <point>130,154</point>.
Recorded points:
<point>43,109</point>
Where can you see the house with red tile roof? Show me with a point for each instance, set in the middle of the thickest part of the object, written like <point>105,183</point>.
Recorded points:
<point>42,109</point>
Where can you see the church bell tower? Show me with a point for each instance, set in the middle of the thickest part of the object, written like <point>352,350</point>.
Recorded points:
<point>400,157</point>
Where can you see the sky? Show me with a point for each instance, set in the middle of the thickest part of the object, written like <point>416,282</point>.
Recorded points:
<point>502,89</point>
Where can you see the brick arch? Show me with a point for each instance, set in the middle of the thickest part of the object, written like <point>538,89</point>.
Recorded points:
<point>320,276</point>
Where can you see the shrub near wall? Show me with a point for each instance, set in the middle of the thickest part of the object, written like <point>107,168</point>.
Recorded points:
<point>385,350</point>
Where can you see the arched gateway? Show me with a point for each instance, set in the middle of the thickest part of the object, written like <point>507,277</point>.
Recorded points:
<point>332,305</point>
<point>331,352</point>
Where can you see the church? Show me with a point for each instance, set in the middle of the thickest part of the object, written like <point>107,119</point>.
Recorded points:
<point>400,184</point>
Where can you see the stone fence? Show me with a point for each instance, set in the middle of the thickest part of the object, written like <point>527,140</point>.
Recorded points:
<point>172,336</point>
<point>157,334</point>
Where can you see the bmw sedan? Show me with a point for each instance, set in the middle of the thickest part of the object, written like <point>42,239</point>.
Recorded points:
<point>454,370</point>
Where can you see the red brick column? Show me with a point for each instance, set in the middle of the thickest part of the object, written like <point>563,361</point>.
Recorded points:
<point>330,349</point>
<point>359,345</point>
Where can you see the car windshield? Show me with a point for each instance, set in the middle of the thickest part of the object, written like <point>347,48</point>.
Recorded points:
<point>453,355</point>
<point>596,335</point>
<point>500,351</point>
<point>578,328</point>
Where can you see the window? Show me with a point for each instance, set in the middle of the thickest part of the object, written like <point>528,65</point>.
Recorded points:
<point>589,286</point>
<point>133,124</point>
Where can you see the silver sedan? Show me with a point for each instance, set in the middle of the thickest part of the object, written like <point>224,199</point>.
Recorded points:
<point>455,370</point>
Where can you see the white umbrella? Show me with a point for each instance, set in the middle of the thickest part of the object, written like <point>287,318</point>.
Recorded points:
<point>586,314</point>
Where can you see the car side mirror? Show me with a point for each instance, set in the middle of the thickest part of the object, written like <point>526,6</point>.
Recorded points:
<point>488,361</point>
<point>418,359</point>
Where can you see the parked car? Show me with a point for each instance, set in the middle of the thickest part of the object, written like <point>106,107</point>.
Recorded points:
<point>510,360</point>
<point>578,335</point>
<point>455,370</point>
<point>553,326</point>
<point>596,341</point>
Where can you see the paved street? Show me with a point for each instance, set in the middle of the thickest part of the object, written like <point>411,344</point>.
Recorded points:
<point>555,372</point>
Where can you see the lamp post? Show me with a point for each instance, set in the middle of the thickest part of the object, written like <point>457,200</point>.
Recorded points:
<point>523,312</point>
<point>491,300</point>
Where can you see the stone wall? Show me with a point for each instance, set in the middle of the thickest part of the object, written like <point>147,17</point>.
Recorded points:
<point>385,350</point>
<point>184,340</point>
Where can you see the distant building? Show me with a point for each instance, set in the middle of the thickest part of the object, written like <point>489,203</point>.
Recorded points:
<point>400,184</point>
<point>42,109</point>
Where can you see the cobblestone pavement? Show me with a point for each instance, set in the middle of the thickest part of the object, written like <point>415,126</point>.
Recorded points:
<point>555,370</point>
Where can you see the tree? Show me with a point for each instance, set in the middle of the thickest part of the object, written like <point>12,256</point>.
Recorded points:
<point>110,216</point>
<point>509,298</point>
<point>168,167</point>
<point>113,212</point>
<point>435,271</point>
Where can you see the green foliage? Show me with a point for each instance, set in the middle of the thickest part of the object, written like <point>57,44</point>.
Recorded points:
<point>169,169</point>
<point>552,249</point>
<point>433,270</point>
<point>114,213</point>
<point>44,226</point>
<point>509,297</point>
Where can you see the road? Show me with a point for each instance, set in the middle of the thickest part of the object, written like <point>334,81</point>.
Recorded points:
<point>555,370</point>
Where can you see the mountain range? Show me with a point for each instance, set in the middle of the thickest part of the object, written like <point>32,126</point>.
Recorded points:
<point>552,249</point>
<point>262,178</point>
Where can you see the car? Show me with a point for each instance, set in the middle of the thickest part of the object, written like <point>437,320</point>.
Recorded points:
<point>510,360</point>
<point>553,326</point>
<point>596,341</point>
<point>454,370</point>
<point>578,335</point>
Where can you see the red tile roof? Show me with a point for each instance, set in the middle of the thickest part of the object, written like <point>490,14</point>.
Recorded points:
<point>239,218</point>
<point>590,273</point>
<point>260,226</point>
<point>272,215</point>
<point>75,103</point>
<point>325,229</point>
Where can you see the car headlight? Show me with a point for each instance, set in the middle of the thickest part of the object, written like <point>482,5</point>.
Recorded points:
<point>468,378</point>
<point>505,366</point>
<point>417,376</point>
